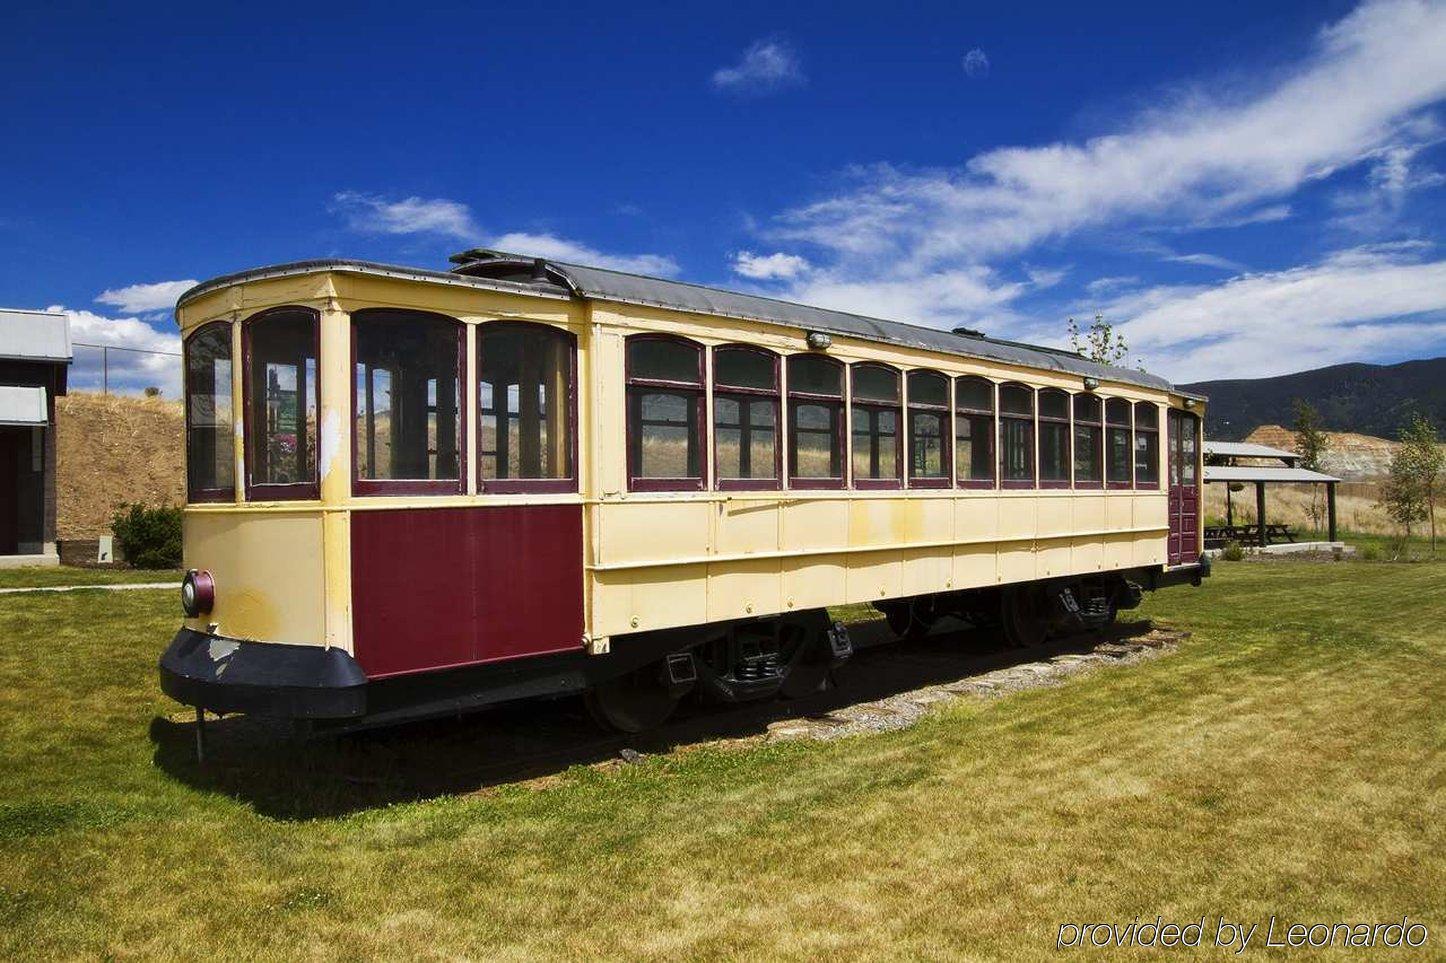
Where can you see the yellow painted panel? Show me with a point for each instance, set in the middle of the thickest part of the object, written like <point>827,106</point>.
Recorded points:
<point>745,527</point>
<point>739,589</point>
<point>1089,513</point>
<point>814,582</point>
<point>1119,512</point>
<point>1151,511</point>
<point>1053,558</point>
<point>976,517</point>
<point>1119,551</point>
<point>815,524</point>
<point>644,531</point>
<point>1150,550</point>
<point>1016,562</point>
<point>1017,516</point>
<point>656,598</point>
<point>876,521</point>
<point>269,572</point>
<point>928,519</point>
<point>928,570</point>
<point>1056,516</point>
<point>1087,554</point>
<point>975,566</point>
<point>873,576</point>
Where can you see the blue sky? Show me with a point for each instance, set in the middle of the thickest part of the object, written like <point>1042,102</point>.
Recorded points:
<point>1246,188</point>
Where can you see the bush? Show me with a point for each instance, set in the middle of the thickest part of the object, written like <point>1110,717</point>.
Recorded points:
<point>1370,553</point>
<point>1232,552</point>
<point>149,537</point>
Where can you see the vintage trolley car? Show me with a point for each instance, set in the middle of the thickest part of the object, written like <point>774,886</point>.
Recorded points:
<point>417,492</point>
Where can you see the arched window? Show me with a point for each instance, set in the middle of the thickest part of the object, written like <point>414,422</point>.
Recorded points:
<point>1147,445</point>
<point>665,413</point>
<point>1117,443</point>
<point>1089,471</point>
<point>526,408</point>
<point>877,460</point>
<point>746,451</point>
<point>280,350</point>
<point>928,430</point>
<point>1053,438</point>
<point>210,428</point>
<point>407,371</point>
<point>1016,431</point>
<point>815,422</point>
<point>974,432</point>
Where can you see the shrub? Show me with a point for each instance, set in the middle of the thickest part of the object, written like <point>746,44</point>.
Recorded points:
<point>1232,552</point>
<point>149,537</point>
<point>1370,553</point>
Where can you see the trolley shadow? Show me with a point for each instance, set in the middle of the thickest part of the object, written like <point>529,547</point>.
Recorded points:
<point>262,763</point>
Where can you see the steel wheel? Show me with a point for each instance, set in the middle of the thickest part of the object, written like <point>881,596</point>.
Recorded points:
<point>635,702</point>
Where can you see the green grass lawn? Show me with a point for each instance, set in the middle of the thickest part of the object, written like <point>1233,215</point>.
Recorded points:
<point>37,576</point>
<point>1288,760</point>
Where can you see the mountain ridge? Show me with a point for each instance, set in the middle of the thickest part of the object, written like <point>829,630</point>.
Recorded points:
<point>1369,399</point>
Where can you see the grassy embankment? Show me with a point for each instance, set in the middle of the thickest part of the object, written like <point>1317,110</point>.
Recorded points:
<point>1287,760</point>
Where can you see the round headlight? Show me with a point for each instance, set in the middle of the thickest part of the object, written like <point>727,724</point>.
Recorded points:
<point>198,593</point>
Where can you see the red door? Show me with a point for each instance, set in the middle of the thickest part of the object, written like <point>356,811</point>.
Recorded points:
<point>1184,447</point>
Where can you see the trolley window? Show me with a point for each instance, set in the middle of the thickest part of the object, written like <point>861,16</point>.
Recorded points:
<point>1016,430</point>
<point>526,408</point>
<point>407,368</point>
<point>1117,443</point>
<point>815,422</point>
<point>1054,455</point>
<point>1088,441</point>
<point>745,417</point>
<point>280,348</point>
<point>210,457</point>
<point>665,413</point>
<point>928,429</point>
<point>974,432</point>
<point>877,461</point>
<point>1147,445</point>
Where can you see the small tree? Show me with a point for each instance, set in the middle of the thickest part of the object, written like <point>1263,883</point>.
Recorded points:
<point>1099,342</point>
<point>152,391</point>
<point>1422,449</point>
<point>1311,442</point>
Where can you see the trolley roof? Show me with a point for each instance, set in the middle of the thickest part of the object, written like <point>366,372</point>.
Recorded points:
<point>515,273</point>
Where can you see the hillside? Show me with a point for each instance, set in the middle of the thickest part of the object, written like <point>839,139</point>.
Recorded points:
<point>1370,399</point>
<point>1350,455</point>
<point>114,450</point>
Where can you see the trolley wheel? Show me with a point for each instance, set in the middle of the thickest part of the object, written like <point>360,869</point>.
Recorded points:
<point>1024,616</point>
<point>803,644</point>
<point>910,619</point>
<point>635,702</point>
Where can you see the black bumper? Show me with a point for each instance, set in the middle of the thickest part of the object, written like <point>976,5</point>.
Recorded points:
<point>1192,574</point>
<point>263,678</point>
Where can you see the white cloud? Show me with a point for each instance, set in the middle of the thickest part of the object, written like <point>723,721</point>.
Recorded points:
<point>129,371</point>
<point>1393,175</point>
<point>1207,260</point>
<point>976,63</point>
<point>144,298</point>
<point>562,249</point>
<point>410,215</point>
<point>1207,156</point>
<point>1352,304</point>
<point>766,65</point>
<point>769,267</point>
<point>1104,285</point>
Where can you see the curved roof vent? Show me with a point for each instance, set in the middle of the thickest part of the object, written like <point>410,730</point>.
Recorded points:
<point>964,332</point>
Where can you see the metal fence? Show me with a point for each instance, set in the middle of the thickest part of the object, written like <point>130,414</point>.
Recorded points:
<point>106,349</point>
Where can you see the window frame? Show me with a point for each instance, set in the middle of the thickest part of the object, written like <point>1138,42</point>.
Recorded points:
<point>1135,433</point>
<point>1068,421</point>
<point>1098,427</point>
<point>1127,484</point>
<point>266,491</point>
<point>700,393</point>
<point>366,487</point>
<point>1031,419</point>
<point>993,415</point>
<point>946,430</point>
<point>794,399</point>
<point>518,486</point>
<point>897,407</point>
<point>749,484</point>
<point>209,495</point>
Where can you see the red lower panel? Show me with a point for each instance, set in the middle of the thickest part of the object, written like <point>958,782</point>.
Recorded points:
<point>439,587</point>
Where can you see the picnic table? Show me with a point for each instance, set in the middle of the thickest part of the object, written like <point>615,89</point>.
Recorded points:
<point>1218,535</point>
